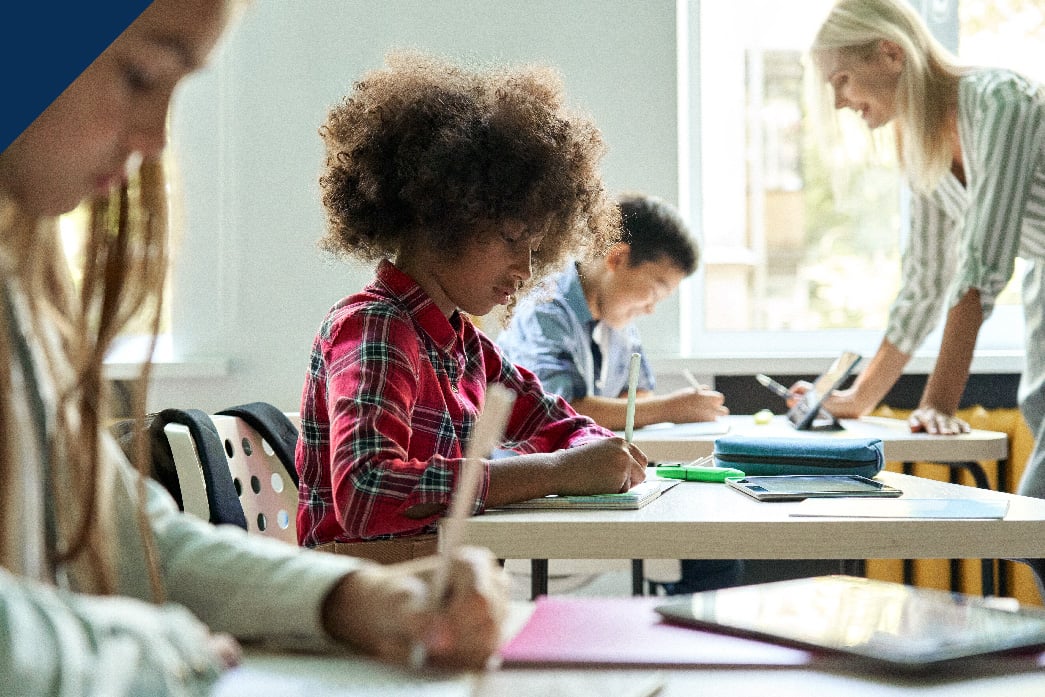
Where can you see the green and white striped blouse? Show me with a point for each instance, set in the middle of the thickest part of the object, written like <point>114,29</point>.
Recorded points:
<point>965,237</point>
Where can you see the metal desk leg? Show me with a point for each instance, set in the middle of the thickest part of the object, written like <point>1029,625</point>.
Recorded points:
<point>538,578</point>
<point>1003,569</point>
<point>979,476</point>
<point>986,565</point>
<point>908,564</point>
<point>852,567</point>
<point>638,574</point>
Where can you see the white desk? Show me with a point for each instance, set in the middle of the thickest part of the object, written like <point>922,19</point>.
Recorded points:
<point>269,674</point>
<point>709,521</point>
<point>697,520</point>
<point>675,443</point>
<point>726,528</point>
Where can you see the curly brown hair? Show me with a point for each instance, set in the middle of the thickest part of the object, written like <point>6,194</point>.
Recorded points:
<point>426,151</point>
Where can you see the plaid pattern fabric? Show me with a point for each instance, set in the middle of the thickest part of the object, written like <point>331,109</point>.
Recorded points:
<point>391,396</point>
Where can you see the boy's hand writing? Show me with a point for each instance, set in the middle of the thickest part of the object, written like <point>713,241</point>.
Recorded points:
<point>695,404</point>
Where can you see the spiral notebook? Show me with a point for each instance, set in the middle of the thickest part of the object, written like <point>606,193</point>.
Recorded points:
<point>636,497</point>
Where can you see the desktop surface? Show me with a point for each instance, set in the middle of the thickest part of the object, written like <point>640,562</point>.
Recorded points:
<point>267,673</point>
<point>683,442</point>
<point>697,520</point>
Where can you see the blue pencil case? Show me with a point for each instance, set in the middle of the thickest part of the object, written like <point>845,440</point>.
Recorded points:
<point>770,456</point>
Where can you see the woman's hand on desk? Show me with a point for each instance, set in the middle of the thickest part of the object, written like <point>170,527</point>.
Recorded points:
<point>934,421</point>
<point>848,404</point>
<point>387,611</point>
<point>842,404</point>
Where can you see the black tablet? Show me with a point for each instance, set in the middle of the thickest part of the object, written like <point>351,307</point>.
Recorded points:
<point>808,412</point>
<point>795,487</point>
<point>886,624</point>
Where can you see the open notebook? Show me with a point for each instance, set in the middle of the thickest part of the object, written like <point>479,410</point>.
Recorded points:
<point>667,431</point>
<point>636,497</point>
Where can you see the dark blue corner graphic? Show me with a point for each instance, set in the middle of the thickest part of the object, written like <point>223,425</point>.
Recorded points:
<point>46,45</point>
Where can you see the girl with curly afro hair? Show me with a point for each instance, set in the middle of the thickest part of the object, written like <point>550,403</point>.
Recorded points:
<point>466,187</point>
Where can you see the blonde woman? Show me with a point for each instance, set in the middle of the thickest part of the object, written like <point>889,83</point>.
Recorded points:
<point>105,588</point>
<point>972,147</point>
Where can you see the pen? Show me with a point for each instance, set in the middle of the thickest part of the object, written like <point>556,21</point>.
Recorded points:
<point>773,386</point>
<point>633,385</point>
<point>485,436</point>
<point>692,379</point>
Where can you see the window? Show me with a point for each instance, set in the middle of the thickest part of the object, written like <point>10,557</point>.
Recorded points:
<point>797,259</point>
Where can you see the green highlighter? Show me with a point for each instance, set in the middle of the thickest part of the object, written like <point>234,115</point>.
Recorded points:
<point>698,473</point>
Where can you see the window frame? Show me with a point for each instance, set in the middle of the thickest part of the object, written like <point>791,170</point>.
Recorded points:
<point>1000,344</point>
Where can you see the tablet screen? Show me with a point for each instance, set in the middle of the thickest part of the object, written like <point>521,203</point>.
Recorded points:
<point>808,409</point>
<point>908,628</point>
<point>793,487</point>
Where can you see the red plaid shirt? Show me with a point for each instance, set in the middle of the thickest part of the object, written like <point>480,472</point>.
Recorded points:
<point>392,393</point>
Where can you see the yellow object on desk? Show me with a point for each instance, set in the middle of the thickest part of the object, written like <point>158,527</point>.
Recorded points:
<point>763,417</point>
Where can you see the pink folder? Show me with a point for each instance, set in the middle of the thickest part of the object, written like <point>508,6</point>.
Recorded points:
<point>625,631</point>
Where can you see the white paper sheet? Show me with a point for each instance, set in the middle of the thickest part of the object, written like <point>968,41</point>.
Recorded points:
<point>901,508</point>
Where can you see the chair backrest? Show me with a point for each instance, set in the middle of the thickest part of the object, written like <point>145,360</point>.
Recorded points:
<point>265,492</point>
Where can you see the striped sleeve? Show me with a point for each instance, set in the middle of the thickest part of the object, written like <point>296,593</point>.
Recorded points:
<point>928,264</point>
<point>1001,130</point>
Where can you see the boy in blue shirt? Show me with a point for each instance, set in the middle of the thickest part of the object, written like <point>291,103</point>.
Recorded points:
<point>578,335</point>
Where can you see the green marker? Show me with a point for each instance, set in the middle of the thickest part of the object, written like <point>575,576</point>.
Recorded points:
<point>698,473</point>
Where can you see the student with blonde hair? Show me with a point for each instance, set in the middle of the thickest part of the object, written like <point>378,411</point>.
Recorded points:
<point>971,144</point>
<point>105,587</point>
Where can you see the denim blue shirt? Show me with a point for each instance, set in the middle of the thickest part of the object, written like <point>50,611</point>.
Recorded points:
<point>551,335</point>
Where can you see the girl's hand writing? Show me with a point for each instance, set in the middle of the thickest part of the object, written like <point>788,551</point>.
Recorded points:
<point>387,611</point>
<point>602,467</point>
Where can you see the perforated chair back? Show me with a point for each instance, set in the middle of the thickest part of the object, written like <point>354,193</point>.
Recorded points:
<point>266,493</point>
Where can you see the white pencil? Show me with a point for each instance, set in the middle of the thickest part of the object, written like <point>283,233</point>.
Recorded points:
<point>633,384</point>
<point>692,379</point>
<point>486,436</point>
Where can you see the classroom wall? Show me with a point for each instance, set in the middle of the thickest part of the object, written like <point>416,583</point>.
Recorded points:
<point>249,285</point>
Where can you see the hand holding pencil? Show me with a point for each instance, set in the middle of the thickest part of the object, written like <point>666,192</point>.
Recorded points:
<point>607,466</point>
<point>633,384</point>
<point>698,402</point>
<point>385,611</point>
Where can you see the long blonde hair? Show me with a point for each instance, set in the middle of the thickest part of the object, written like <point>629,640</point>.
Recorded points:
<point>927,91</point>
<point>124,266</point>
